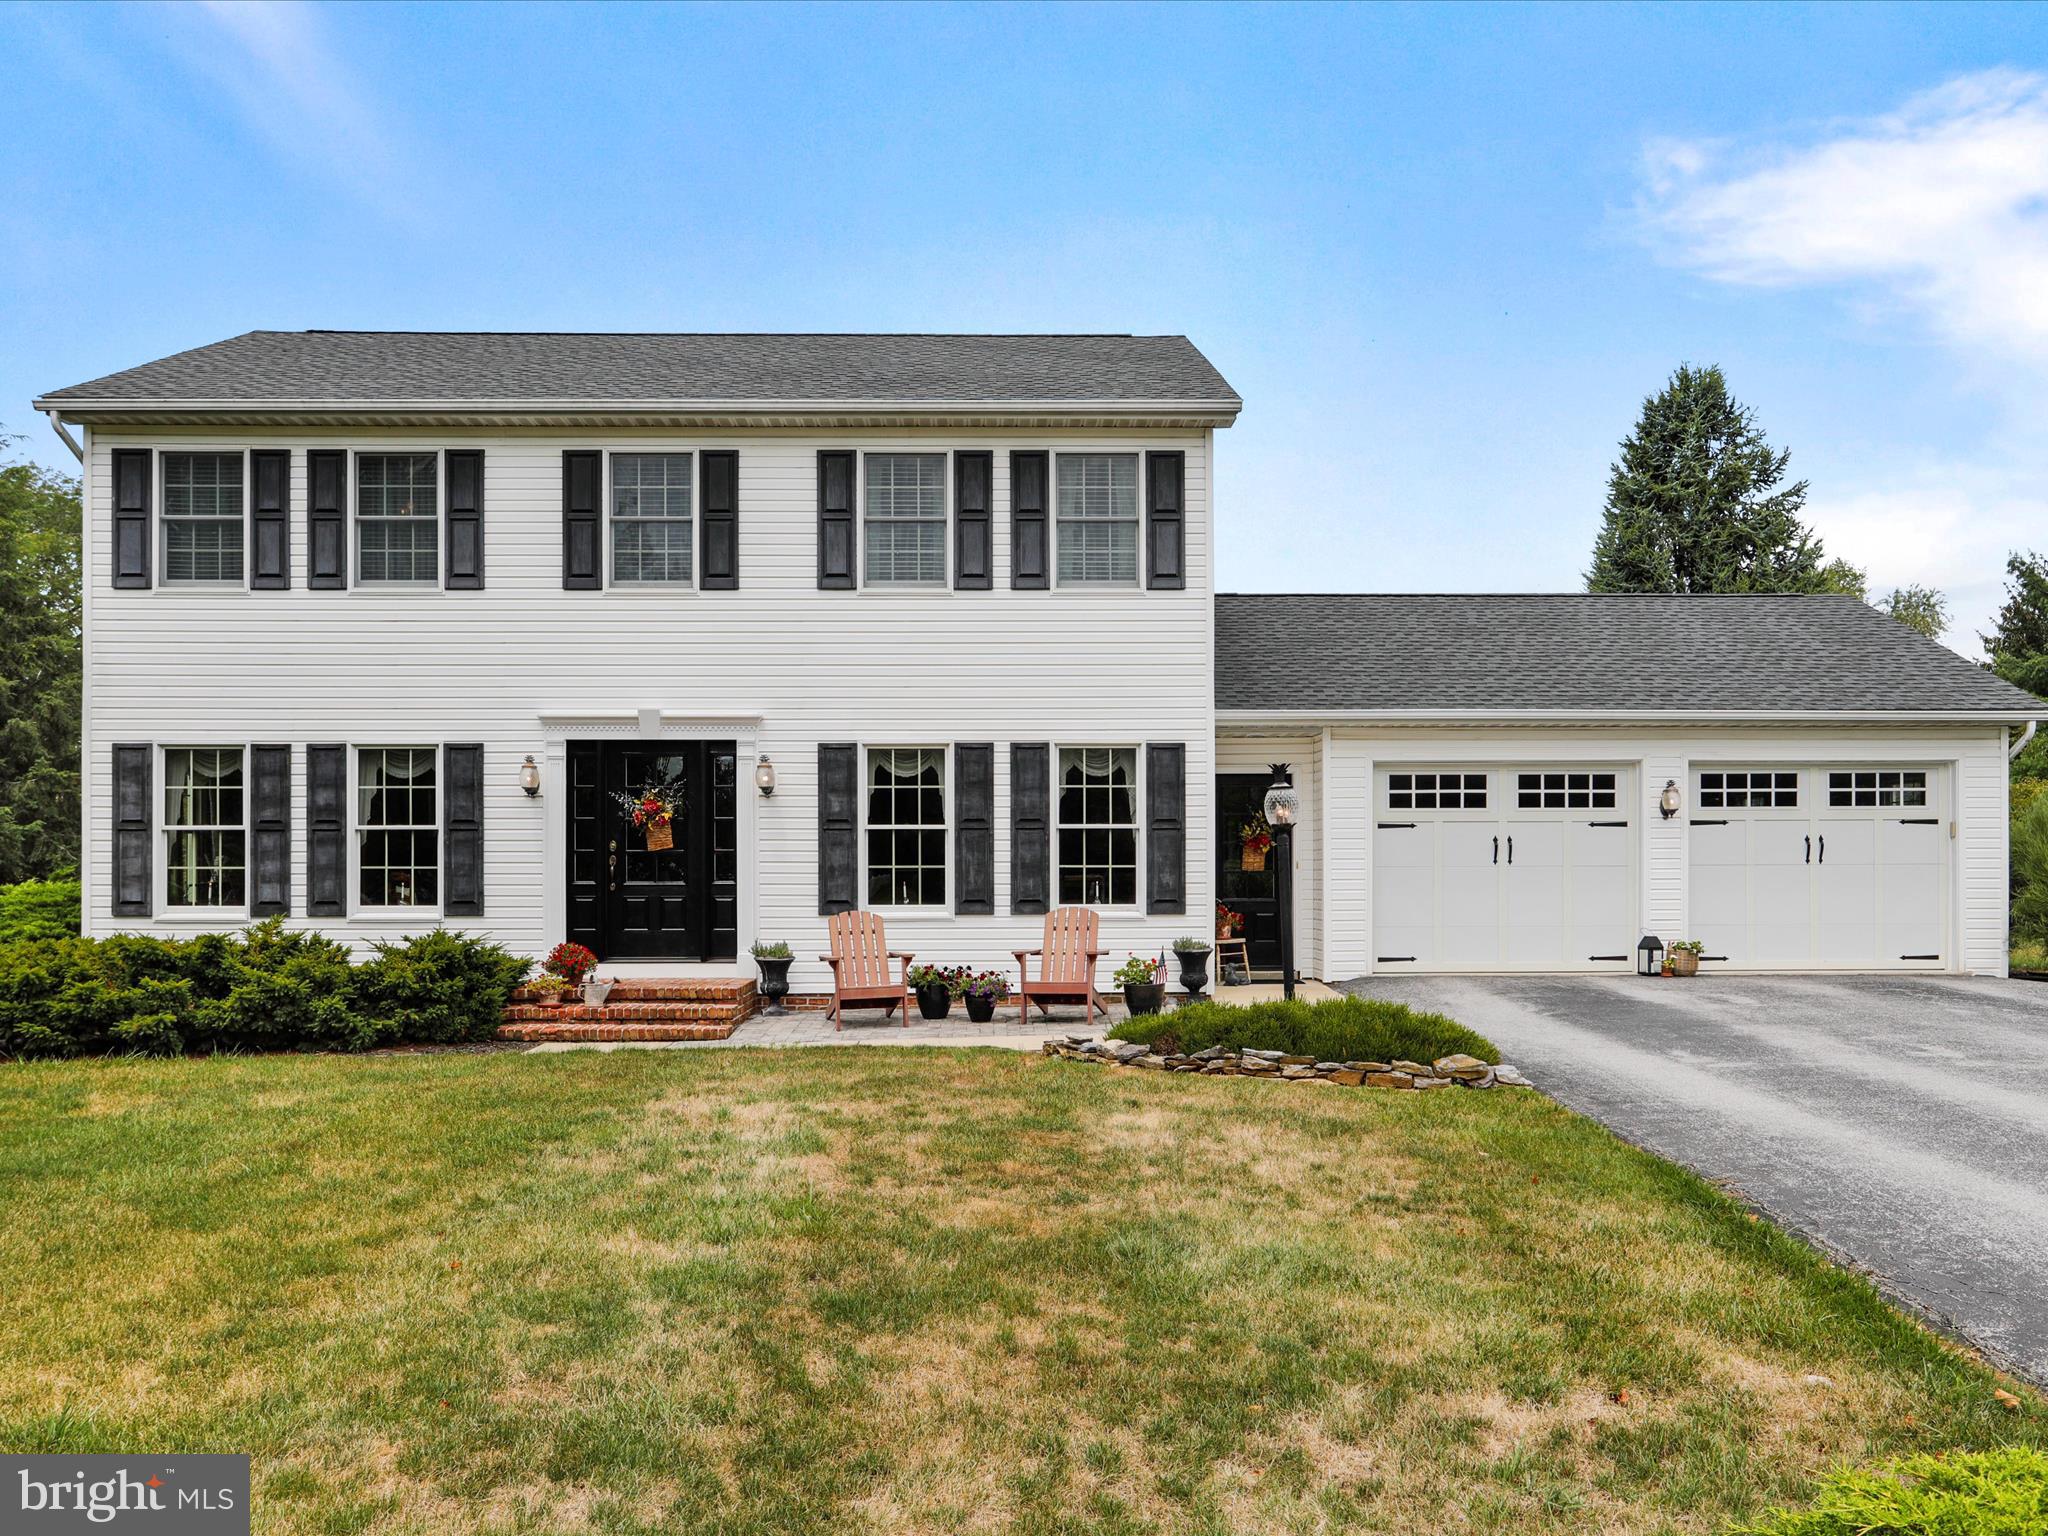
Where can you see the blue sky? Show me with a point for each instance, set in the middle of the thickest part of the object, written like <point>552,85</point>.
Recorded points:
<point>1442,253</point>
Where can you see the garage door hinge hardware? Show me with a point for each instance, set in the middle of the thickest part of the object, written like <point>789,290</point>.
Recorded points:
<point>1607,957</point>
<point>1394,826</point>
<point>1606,823</point>
<point>1705,821</point>
<point>1919,957</point>
<point>1919,821</point>
<point>1390,959</point>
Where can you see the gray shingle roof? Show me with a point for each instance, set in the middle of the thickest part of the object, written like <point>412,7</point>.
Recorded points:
<point>485,366</point>
<point>1579,651</point>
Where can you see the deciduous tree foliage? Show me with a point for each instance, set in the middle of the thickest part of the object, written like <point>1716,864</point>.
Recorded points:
<point>1920,608</point>
<point>39,671</point>
<point>1696,503</point>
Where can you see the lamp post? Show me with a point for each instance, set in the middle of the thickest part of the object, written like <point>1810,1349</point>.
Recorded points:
<point>1282,806</point>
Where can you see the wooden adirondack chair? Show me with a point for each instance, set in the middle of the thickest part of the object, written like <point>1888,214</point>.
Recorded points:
<point>860,967</point>
<point>1066,964</point>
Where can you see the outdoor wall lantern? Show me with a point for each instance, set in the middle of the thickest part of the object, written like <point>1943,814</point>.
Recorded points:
<point>529,776</point>
<point>764,777</point>
<point>1283,804</point>
<point>1668,801</point>
<point>1650,956</point>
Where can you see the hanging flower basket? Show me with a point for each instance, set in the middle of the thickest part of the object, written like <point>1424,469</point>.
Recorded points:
<point>1254,838</point>
<point>653,811</point>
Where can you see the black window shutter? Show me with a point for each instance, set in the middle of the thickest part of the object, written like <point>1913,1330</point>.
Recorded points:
<point>1166,538</point>
<point>134,889</point>
<point>838,827</point>
<point>582,519</point>
<point>462,830</point>
<point>132,476</point>
<point>974,827</point>
<point>270,519</point>
<point>326,831</point>
<point>465,519</point>
<point>718,521</point>
<point>327,518</point>
<point>973,538</point>
<point>1030,553</point>
<point>835,520</point>
<point>1030,839</point>
<point>270,831</point>
<point>1166,827</point>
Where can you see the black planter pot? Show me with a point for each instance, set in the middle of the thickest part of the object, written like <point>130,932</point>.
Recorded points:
<point>981,1007</point>
<point>934,1002</point>
<point>774,983</point>
<point>1194,972</point>
<point>1149,998</point>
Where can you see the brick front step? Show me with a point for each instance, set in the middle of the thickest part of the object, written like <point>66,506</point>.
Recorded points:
<point>562,1030</point>
<point>626,1013</point>
<point>651,1008</point>
<point>728,990</point>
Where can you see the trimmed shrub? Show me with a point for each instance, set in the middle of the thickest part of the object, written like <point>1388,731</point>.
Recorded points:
<point>38,909</point>
<point>438,987</point>
<point>1336,1029</point>
<point>2030,872</point>
<point>1967,1493</point>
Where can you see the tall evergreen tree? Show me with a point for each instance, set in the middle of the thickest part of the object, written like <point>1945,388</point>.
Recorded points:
<point>2020,632</point>
<point>39,672</point>
<point>1695,503</point>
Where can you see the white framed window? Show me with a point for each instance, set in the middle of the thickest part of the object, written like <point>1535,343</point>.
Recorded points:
<point>1566,790</point>
<point>398,830</point>
<point>203,518</point>
<point>652,518</point>
<point>1436,791</point>
<point>1095,809</point>
<point>1748,788</point>
<point>906,826</point>
<point>1097,532</point>
<point>206,839</point>
<point>904,521</point>
<point>1877,786</point>
<point>398,517</point>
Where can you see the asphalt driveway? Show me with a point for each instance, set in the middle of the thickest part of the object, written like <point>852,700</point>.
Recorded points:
<point>1900,1122</point>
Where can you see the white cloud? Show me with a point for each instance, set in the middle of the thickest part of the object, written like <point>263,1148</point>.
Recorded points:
<point>1939,209</point>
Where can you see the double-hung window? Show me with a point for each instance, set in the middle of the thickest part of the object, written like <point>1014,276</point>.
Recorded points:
<point>906,519</point>
<point>1096,801</point>
<point>651,517</point>
<point>1098,519</point>
<point>206,854</point>
<point>398,525</point>
<point>398,844</point>
<point>906,827</point>
<point>202,517</point>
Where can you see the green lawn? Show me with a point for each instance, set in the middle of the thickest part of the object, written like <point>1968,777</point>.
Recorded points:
<point>894,1291</point>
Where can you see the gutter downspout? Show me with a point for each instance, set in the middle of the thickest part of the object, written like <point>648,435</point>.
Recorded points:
<point>57,426</point>
<point>2026,736</point>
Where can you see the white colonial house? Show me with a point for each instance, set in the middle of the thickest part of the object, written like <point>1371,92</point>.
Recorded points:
<point>387,629</point>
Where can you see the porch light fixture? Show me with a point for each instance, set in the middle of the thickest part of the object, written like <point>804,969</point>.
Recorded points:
<point>1668,801</point>
<point>764,777</point>
<point>1650,956</point>
<point>529,776</point>
<point>1283,805</point>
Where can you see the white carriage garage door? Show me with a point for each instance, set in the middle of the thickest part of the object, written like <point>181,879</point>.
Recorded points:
<point>1843,866</point>
<point>1494,869</point>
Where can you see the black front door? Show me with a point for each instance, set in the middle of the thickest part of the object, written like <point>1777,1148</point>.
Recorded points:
<point>1241,797</point>
<point>630,901</point>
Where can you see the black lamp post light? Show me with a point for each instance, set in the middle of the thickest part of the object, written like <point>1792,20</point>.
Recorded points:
<point>1283,805</point>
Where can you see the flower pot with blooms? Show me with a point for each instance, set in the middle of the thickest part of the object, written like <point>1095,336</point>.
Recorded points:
<point>571,962</point>
<point>935,986</point>
<point>548,991</point>
<point>1228,923</point>
<point>981,991</point>
<point>1684,957</point>
<point>1254,839</point>
<point>1140,977</point>
<point>652,811</point>
<point>1193,955</point>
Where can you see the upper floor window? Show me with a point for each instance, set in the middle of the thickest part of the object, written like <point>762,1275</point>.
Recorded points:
<point>1098,518</point>
<point>206,854</point>
<point>651,517</point>
<point>1096,804</point>
<point>906,826</point>
<point>398,860</point>
<point>906,518</point>
<point>398,530</point>
<point>202,517</point>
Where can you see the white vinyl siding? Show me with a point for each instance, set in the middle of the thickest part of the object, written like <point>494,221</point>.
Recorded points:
<point>203,517</point>
<point>906,826</point>
<point>398,840</point>
<point>398,526</point>
<point>651,522</point>
<point>205,829</point>
<point>1095,804</point>
<point>1098,519</point>
<point>905,525</point>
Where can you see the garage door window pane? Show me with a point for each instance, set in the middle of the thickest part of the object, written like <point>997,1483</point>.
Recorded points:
<point>1877,787</point>
<point>1567,791</point>
<point>1740,788</point>
<point>1436,791</point>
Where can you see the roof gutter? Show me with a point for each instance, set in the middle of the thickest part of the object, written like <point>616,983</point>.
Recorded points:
<point>57,426</point>
<point>1303,717</point>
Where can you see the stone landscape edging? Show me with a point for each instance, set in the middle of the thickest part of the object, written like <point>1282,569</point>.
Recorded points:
<point>1229,1061</point>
